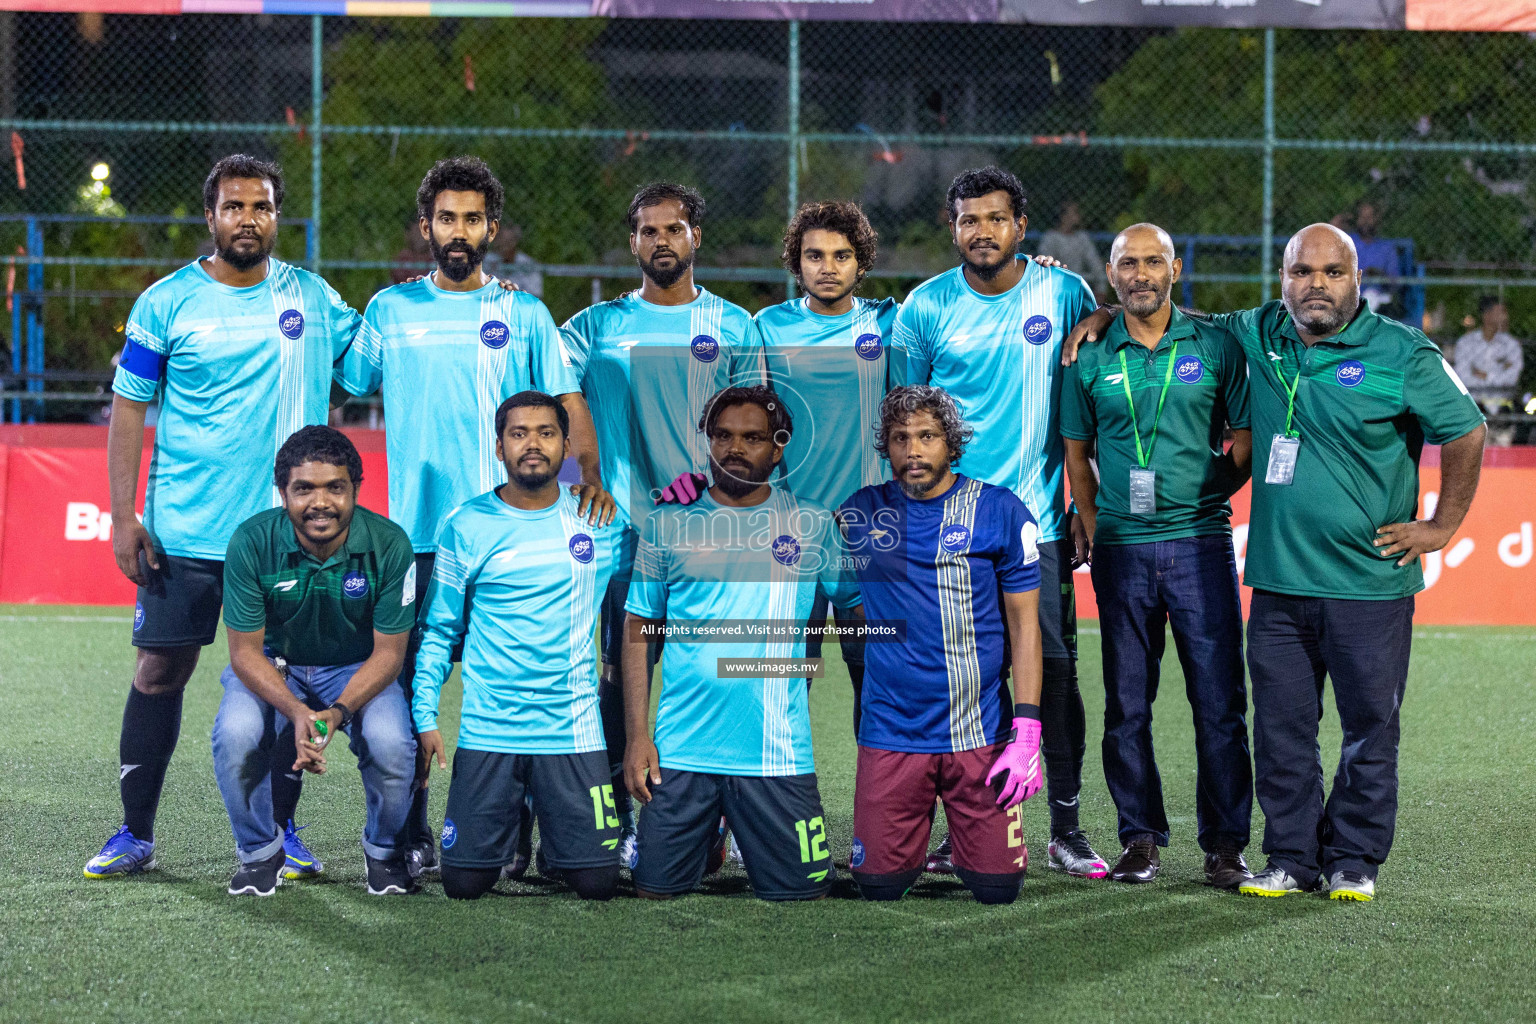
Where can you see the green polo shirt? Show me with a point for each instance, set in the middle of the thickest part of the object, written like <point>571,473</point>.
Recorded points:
<point>1207,391</point>
<point>319,613</point>
<point>1367,400</point>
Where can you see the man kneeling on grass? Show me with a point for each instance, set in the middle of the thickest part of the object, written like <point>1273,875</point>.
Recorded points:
<point>319,602</point>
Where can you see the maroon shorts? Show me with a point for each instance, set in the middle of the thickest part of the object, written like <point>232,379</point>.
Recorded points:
<point>893,813</point>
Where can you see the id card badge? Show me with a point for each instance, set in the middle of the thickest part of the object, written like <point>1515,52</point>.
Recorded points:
<point>1143,492</point>
<point>1282,460</point>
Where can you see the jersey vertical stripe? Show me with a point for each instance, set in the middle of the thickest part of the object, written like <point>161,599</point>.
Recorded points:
<point>956,609</point>
<point>702,376</point>
<point>290,376</point>
<point>490,370</point>
<point>586,725</point>
<point>778,737</point>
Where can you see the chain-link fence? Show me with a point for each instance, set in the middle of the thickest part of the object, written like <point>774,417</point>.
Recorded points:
<point>1421,143</point>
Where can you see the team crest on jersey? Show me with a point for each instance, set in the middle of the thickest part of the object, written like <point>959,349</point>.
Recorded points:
<point>955,537</point>
<point>354,585</point>
<point>1350,373</point>
<point>705,349</point>
<point>582,548</point>
<point>138,616</point>
<point>450,834</point>
<point>494,334</point>
<point>868,346</point>
<point>856,860</point>
<point>1189,369</point>
<point>291,323</point>
<point>1037,329</point>
<point>786,550</point>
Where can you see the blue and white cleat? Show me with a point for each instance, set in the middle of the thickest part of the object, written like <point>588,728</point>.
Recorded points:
<point>300,862</point>
<point>629,848</point>
<point>123,855</point>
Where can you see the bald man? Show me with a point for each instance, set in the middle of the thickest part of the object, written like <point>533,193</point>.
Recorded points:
<point>1154,403</point>
<point>1342,402</point>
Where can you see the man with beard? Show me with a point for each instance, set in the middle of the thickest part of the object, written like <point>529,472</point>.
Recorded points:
<point>745,554</point>
<point>989,333</point>
<point>239,346</point>
<point>446,350</point>
<point>319,606</point>
<point>1153,403</point>
<point>648,362</point>
<point>957,560</point>
<point>1342,403</point>
<point>519,578</point>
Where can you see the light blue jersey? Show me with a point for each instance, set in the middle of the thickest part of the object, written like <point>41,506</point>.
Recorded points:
<point>647,371</point>
<point>999,357</point>
<point>521,591</point>
<point>238,370</point>
<point>832,372</point>
<point>446,360</point>
<point>708,562</point>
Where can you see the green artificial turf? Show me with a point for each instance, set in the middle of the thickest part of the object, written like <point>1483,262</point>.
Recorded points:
<point>1447,939</point>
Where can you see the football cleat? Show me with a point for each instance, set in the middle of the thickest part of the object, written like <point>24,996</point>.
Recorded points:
<point>123,855</point>
<point>1272,881</point>
<point>629,848</point>
<point>1351,885</point>
<point>258,877</point>
<point>940,861</point>
<point>1072,854</point>
<point>421,857</point>
<point>300,862</point>
<point>390,877</point>
<point>735,850</point>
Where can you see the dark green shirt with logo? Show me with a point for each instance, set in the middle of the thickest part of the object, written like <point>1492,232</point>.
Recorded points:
<point>1207,390</point>
<point>319,613</point>
<point>1366,401</point>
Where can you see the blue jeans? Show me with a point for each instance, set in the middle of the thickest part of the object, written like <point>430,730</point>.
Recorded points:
<point>380,734</point>
<point>1190,584</point>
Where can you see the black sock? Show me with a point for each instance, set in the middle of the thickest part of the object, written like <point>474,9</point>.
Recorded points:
<point>593,883</point>
<point>856,676</point>
<point>469,883</point>
<point>1064,730</point>
<point>416,825</point>
<point>287,784</point>
<point>151,725</point>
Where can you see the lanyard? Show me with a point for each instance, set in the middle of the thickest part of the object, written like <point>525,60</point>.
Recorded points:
<point>1125,379</point>
<point>1290,395</point>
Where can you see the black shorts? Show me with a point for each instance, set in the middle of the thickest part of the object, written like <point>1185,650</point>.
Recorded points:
<point>613,625</point>
<point>179,604</point>
<point>572,799</point>
<point>777,821</point>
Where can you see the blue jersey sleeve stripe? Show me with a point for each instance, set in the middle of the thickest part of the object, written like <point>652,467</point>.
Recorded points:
<point>141,361</point>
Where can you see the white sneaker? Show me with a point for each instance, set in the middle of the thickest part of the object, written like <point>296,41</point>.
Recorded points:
<point>1351,885</point>
<point>1272,881</point>
<point>1072,854</point>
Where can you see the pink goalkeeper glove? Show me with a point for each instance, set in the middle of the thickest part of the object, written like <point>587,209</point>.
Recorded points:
<point>1021,760</point>
<point>685,490</point>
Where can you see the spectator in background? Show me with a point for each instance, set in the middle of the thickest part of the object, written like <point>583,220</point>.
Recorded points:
<point>1070,244</point>
<point>1378,258</point>
<point>507,262</point>
<point>1489,361</point>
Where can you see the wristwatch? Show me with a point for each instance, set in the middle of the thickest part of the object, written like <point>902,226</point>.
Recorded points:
<point>346,713</point>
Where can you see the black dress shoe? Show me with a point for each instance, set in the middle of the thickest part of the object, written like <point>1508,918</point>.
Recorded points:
<point>1226,870</point>
<point>1140,862</point>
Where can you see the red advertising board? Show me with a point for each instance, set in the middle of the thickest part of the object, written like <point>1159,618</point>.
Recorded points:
<point>55,535</point>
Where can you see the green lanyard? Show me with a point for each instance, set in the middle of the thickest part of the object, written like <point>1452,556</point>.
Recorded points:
<point>1290,395</point>
<point>1125,379</point>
